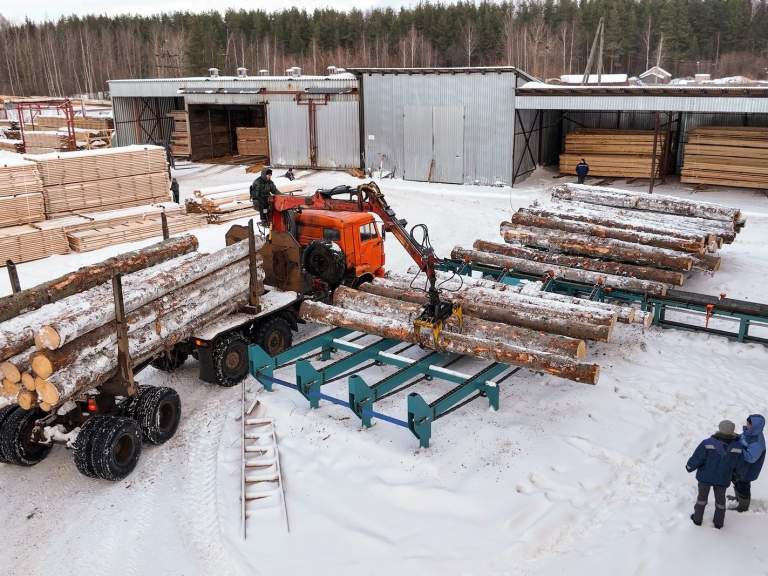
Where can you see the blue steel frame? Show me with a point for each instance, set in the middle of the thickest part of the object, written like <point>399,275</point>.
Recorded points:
<point>362,395</point>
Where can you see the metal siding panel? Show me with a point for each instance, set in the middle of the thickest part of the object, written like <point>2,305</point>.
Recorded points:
<point>417,142</point>
<point>132,130</point>
<point>448,144</point>
<point>288,125</point>
<point>753,105</point>
<point>338,135</point>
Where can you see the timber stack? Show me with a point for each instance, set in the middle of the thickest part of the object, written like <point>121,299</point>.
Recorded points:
<point>253,142</point>
<point>62,340</point>
<point>232,201</point>
<point>612,153</point>
<point>632,241</point>
<point>726,156</point>
<point>180,135</point>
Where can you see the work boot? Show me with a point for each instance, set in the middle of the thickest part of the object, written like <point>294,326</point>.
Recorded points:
<point>698,512</point>
<point>695,520</point>
<point>743,503</point>
<point>719,515</point>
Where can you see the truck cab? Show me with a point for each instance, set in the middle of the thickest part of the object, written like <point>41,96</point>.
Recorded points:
<point>357,234</point>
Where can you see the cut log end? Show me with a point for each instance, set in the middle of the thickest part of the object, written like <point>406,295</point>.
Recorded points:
<point>28,381</point>
<point>48,338</point>
<point>10,372</point>
<point>26,399</point>
<point>45,407</point>
<point>10,389</point>
<point>42,366</point>
<point>46,391</point>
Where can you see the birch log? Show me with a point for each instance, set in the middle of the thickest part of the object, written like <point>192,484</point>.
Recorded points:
<point>88,311</point>
<point>93,275</point>
<point>364,301</point>
<point>400,329</point>
<point>585,263</point>
<point>484,304</point>
<point>586,276</point>
<point>643,201</point>
<point>607,248</point>
<point>524,217</point>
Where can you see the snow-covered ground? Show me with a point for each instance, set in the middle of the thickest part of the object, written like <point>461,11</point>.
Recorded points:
<point>563,479</point>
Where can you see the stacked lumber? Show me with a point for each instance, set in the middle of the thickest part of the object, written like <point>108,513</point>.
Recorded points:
<point>104,179</point>
<point>45,141</point>
<point>10,145</point>
<point>726,156</point>
<point>21,198</point>
<point>613,153</point>
<point>25,243</point>
<point>66,347</point>
<point>252,141</point>
<point>101,236</point>
<point>619,239</point>
<point>87,122</point>
<point>180,135</point>
<point>232,201</point>
<point>21,209</point>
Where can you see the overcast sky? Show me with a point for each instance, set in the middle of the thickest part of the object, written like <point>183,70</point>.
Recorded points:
<point>17,10</point>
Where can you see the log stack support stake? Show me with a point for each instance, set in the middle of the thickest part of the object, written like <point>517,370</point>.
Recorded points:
<point>123,384</point>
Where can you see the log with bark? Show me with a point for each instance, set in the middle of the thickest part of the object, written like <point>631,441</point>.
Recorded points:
<point>93,275</point>
<point>585,263</point>
<point>375,302</point>
<point>643,201</point>
<point>535,268</point>
<point>401,329</point>
<point>605,248</point>
<point>92,309</point>
<point>525,217</point>
<point>509,308</point>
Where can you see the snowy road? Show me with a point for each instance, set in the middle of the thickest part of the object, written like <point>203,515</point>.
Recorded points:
<point>564,479</point>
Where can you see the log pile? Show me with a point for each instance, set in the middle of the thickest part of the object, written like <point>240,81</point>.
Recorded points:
<point>623,240</point>
<point>180,135</point>
<point>55,351</point>
<point>726,156</point>
<point>252,141</point>
<point>232,201</point>
<point>612,153</point>
<point>93,180</point>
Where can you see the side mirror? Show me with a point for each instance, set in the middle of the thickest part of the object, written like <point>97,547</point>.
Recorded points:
<point>383,233</point>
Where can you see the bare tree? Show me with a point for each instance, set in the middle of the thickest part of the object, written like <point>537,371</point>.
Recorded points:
<point>468,40</point>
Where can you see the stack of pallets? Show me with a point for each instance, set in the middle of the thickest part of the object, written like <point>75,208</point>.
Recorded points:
<point>611,153</point>
<point>106,179</point>
<point>623,240</point>
<point>180,136</point>
<point>727,156</point>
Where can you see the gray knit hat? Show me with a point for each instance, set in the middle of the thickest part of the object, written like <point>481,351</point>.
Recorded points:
<point>727,427</point>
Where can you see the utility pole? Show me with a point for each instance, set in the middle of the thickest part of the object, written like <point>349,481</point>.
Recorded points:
<point>591,59</point>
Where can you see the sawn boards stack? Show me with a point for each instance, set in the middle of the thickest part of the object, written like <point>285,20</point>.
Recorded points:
<point>727,156</point>
<point>180,136</point>
<point>106,179</point>
<point>21,198</point>
<point>253,142</point>
<point>612,153</point>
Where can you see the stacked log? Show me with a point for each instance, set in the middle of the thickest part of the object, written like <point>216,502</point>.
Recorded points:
<point>69,345</point>
<point>613,153</point>
<point>391,318</point>
<point>726,156</point>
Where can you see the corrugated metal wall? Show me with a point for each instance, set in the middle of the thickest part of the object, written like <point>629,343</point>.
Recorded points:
<point>488,122</point>
<point>288,134</point>
<point>338,135</point>
<point>143,120</point>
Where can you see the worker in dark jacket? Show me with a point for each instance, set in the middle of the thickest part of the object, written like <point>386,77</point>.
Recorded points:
<point>261,189</point>
<point>582,169</point>
<point>752,443</point>
<point>715,461</point>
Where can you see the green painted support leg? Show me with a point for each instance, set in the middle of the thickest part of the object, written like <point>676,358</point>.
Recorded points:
<point>309,381</point>
<point>420,416</point>
<point>361,399</point>
<point>259,362</point>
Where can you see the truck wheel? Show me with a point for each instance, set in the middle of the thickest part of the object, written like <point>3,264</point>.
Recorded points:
<point>230,359</point>
<point>158,411</point>
<point>273,335</point>
<point>110,449</point>
<point>83,451</point>
<point>170,360</point>
<point>5,412</point>
<point>16,444</point>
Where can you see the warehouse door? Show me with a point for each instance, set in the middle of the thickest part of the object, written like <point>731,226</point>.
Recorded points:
<point>338,135</point>
<point>448,144</point>
<point>417,143</point>
<point>288,133</point>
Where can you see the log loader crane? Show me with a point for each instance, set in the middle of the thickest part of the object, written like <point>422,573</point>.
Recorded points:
<point>341,242</point>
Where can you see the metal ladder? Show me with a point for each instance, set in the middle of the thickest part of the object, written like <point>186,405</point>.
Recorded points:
<point>261,477</point>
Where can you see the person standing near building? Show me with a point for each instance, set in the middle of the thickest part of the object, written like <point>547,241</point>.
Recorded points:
<point>753,452</point>
<point>715,462</point>
<point>261,189</point>
<point>582,169</point>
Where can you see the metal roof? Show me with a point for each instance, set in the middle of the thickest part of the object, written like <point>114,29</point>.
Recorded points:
<point>666,98</point>
<point>457,70</point>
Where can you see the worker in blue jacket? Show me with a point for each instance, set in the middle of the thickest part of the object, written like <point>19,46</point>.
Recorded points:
<point>582,169</point>
<point>715,461</point>
<point>753,455</point>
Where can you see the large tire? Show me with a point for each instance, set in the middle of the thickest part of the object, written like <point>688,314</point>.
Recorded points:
<point>230,359</point>
<point>5,412</point>
<point>323,260</point>
<point>83,448</point>
<point>111,448</point>
<point>16,445</point>
<point>273,335</point>
<point>158,411</point>
<point>170,360</point>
